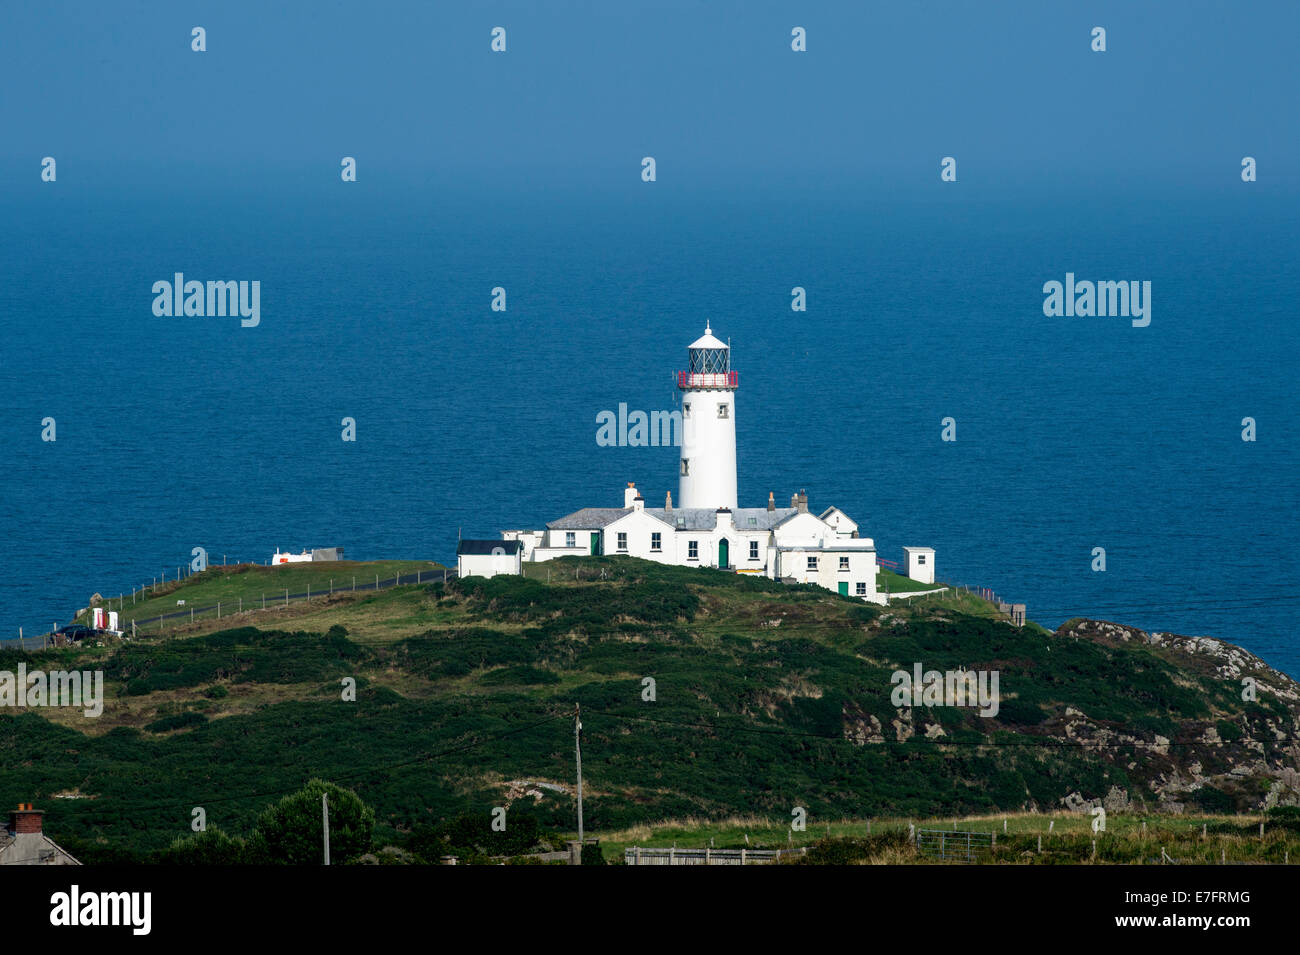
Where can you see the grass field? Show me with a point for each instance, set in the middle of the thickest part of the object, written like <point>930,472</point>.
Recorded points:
<point>245,586</point>
<point>1067,838</point>
<point>889,582</point>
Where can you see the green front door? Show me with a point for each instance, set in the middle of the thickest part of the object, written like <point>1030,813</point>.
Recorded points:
<point>595,543</point>
<point>844,588</point>
<point>724,553</point>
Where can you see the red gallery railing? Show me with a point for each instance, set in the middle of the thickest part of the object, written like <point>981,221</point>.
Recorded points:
<point>727,379</point>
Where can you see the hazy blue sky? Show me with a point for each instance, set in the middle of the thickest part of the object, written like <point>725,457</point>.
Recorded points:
<point>713,91</point>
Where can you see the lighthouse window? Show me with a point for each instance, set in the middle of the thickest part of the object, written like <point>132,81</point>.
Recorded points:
<point>622,541</point>
<point>570,539</point>
<point>844,563</point>
<point>812,563</point>
<point>692,550</point>
<point>656,541</point>
<point>753,550</point>
<point>723,411</point>
<point>686,467</point>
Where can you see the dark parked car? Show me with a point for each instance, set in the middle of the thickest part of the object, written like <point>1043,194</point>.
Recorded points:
<point>76,631</point>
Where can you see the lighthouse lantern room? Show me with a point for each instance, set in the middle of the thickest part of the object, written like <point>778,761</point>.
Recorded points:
<point>708,463</point>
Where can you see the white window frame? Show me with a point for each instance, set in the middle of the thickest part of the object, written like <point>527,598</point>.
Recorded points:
<point>656,542</point>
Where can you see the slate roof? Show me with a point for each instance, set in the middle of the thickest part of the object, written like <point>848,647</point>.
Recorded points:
<point>488,547</point>
<point>692,518</point>
<point>706,518</point>
<point>765,520</point>
<point>589,518</point>
<point>32,848</point>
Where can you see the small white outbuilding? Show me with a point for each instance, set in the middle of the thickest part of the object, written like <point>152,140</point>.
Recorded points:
<point>479,558</point>
<point>918,564</point>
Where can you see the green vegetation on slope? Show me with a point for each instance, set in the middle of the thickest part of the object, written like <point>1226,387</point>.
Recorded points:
<point>766,697</point>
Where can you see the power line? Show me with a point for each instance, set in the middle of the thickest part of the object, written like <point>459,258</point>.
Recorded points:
<point>1026,741</point>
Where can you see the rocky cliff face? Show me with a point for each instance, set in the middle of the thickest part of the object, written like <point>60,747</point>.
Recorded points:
<point>1249,752</point>
<point>1175,724</point>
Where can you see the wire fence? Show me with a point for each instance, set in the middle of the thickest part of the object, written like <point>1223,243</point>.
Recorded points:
<point>267,601</point>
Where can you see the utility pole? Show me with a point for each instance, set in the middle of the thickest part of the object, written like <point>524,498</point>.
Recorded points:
<point>325,817</point>
<point>577,748</point>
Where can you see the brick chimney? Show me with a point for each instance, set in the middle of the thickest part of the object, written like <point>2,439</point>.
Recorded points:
<point>771,501</point>
<point>794,500</point>
<point>25,819</point>
<point>668,503</point>
<point>801,502</point>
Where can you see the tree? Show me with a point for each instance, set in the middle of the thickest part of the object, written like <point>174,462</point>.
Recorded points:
<point>290,832</point>
<point>210,847</point>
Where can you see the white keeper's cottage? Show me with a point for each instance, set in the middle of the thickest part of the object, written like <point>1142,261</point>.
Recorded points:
<point>706,528</point>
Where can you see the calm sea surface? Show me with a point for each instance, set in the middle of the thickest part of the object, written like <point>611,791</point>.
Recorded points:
<point>1073,433</point>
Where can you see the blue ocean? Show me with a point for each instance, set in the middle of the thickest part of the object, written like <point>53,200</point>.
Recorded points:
<point>1072,432</point>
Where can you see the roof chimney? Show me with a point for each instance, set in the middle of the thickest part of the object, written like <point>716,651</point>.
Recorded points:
<point>803,501</point>
<point>794,500</point>
<point>771,501</point>
<point>630,494</point>
<point>668,503</point>
<point>25,818</point>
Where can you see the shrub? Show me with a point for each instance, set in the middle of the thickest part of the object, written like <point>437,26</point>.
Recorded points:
<point>1228,731</point>
<point>1213,800</point>
<point>525,675</point>
<point>212,847</point>
<point>1020,712</point>
<point>1285,817</point>
<point>176,722</point>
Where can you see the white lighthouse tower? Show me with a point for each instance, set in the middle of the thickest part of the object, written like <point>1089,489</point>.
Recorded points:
<point>708,386</point>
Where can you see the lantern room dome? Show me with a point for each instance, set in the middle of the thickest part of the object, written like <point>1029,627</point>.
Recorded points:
<point>707,340</point>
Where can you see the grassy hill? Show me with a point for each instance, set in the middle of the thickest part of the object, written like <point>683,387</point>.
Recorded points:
<point>766,697</point>
<point>222,592</point>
